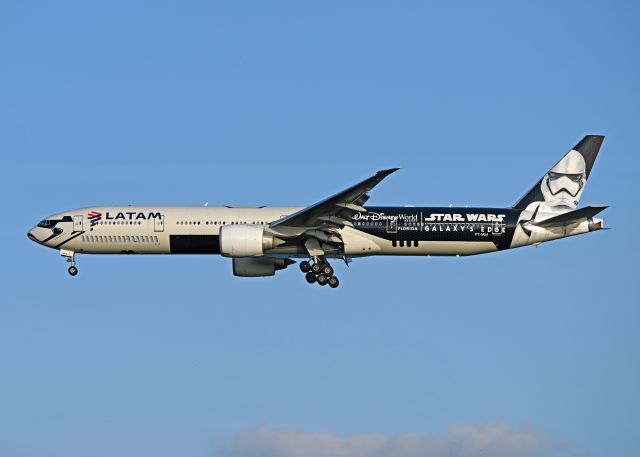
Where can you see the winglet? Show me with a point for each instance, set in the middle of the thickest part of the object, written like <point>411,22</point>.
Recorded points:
<point>380,175</point>
<point>387,172</point>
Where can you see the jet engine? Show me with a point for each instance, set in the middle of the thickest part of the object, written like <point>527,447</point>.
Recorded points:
<point>244,240</point>
<point>251,267</point>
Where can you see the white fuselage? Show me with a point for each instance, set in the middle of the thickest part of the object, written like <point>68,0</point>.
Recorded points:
<point>148,230</point>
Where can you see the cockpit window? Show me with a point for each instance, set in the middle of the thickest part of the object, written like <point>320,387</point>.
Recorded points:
<point>50,223</point>
<point>47,223</point>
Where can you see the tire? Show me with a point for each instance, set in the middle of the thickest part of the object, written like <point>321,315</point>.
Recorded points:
<point>305,266</point>
<point>73,271</point>
<point>327,270</point>
<point>333,282</point>
<point>322,279</point>
<point>310,277</point>
<point>316,268</point>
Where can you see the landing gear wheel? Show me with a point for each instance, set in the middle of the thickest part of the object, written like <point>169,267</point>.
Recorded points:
<point>310,277</point>
<point>73,271</point>
<point>333,282</point>
<point>316,268</point>
<point>327,270</point>
<point>322,279</point>
<point>305,266</point>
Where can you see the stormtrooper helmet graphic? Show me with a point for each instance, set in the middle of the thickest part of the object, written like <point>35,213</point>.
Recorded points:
<point>563,184</point>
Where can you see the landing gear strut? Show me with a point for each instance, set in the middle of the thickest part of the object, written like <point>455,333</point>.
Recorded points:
<point>71,258</point>
<point>319,271</point>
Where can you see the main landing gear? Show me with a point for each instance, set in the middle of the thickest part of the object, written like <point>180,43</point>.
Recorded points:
<point>71,258</point>
<point>319,271</point>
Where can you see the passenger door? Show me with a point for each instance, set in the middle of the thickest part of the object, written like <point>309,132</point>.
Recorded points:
<point>77,223</point>
<point>158,223</point>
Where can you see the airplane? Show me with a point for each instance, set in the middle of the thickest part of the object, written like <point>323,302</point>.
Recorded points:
<point>261,240</point>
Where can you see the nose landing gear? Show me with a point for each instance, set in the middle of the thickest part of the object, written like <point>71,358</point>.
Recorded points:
<point>71,258</point>
<point>319,271</point>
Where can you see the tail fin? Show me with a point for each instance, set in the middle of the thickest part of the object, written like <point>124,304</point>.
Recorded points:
<point>560,189</point>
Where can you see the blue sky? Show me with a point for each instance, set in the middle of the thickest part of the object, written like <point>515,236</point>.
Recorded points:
<point>286,103</point>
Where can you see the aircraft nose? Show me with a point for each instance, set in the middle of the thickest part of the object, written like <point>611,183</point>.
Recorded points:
<point>31,236</point>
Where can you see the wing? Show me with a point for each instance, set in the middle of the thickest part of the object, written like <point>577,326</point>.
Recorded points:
<point>319,223</point>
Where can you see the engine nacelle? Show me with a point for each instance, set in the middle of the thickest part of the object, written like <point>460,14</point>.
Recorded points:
<point>251,267</point>
<point>244,240</point>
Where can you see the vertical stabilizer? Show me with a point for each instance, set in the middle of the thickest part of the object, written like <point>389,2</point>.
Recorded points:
<point>560,189</point>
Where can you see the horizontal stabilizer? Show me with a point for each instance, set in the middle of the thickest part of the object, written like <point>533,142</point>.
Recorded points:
<point>571,216</point>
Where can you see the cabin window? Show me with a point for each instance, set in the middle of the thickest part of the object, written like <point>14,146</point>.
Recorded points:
<point>394,243</point>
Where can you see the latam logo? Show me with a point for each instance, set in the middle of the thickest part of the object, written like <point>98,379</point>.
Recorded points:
<point>94,217</point>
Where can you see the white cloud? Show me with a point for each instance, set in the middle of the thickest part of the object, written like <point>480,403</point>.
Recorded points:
<point>494,439</point>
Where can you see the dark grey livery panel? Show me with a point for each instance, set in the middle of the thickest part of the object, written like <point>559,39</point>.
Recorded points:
<point>194,244</point>
<point>406,225</point>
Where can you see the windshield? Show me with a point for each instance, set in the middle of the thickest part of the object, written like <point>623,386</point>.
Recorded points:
<point>47,223</point>
<point>50,223</point>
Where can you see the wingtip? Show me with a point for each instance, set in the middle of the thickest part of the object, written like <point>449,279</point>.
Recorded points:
<point>388,171</point>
